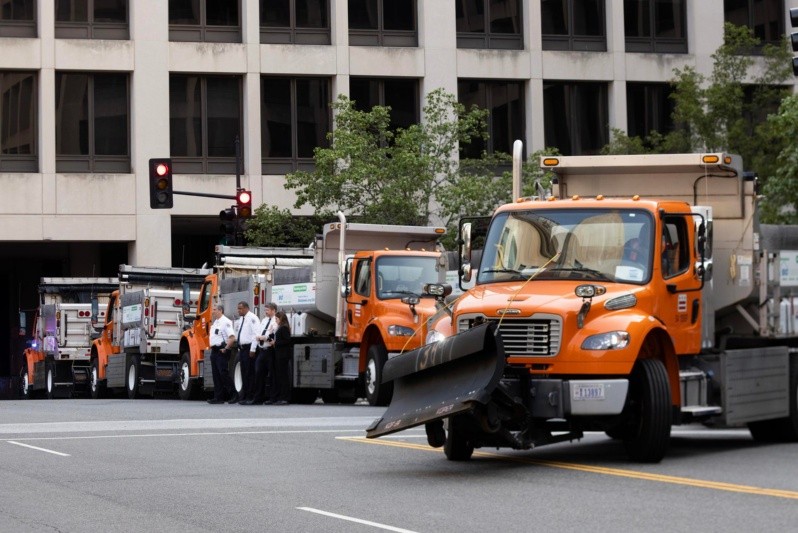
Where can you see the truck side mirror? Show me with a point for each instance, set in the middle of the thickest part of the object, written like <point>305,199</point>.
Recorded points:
<point>23,323</point>
<point>95,310</point>
<point>186,300</point>
<point>465,252</point>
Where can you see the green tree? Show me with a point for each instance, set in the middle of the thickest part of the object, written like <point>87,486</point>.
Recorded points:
<point>781,188</point>
<point>278,228</point>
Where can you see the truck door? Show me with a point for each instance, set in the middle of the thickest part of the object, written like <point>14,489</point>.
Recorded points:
<point>357,311</point>
<point>681,311</point>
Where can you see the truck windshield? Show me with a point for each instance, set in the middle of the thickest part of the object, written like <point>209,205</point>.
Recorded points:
<point>399,276</point>
<point>583,244</point>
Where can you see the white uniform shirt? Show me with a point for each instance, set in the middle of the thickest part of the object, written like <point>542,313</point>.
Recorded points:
<point>221,329</point>
<point>266,328</point>
<point>245,334</point>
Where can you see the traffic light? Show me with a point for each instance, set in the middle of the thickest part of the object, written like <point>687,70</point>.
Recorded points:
<point>161,183</point>
<point>794,38</point>
<point>229,224</point>
<point>244,203</point>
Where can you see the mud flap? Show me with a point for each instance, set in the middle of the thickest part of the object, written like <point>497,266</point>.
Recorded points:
<point>442,379</point>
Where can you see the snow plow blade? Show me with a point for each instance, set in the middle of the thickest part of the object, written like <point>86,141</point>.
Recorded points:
<point>439,380</point>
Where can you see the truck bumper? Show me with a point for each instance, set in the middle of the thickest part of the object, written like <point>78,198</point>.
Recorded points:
<point>556,398</point>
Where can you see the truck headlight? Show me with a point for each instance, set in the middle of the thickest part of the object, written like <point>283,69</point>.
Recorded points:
<point>400,331</point>
<point>434,336</point>
<point>613,340</point>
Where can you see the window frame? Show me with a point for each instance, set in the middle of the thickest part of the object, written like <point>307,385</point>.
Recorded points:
<point>284,165</point>
<point>675,226</point>
<point>293,34</point>
<point>206,164</point>
<point>493,40</point>
<point>652,106</point>
<point>576,43</point>
<point>21,28</point>
<point>782,31</point>
<point>93,163</point>
<point>22,162</point>
<point>490,86</point>
<point>383,37</point>
<point>205,33</point>
<point>381,94</point>
<point>653,44</point>
<point>93,30</point>
<point>573,118</point>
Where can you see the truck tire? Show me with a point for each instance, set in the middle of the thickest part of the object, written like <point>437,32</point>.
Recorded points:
<point>24,388</point>
<point>377,392</point>
<point>650,404</point>
<point>781,429</point>
<point>458,446</point>
<point>188,388</point>
<point>49,380</point>
<point>132,380</point>
<point>96,386</point>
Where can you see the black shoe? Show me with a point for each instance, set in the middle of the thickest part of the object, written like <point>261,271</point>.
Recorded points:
<point>234,399</point>
<point>215,401</point>
<point>281,402</point>
<point>246,402</point>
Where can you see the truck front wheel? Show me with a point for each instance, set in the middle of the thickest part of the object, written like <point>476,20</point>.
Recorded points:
<point>25,385</point>
<point>650,404</point>
<point>458,446</point>
<point>188,388</point>
<point>377,392</point>
<point>132,382</point>
<point>97,387</point>
<point>49,380</point>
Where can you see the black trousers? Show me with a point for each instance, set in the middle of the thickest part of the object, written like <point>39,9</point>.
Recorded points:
<point>281,379</point>
<point>247,370</point>
<point>223,387</point>
<point>263,370</point>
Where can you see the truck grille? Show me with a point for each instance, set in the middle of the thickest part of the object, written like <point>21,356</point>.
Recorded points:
<point>538,336</point>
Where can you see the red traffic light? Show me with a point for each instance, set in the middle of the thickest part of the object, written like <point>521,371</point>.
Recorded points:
<point>244,203</point>
<point>162,169</point>
<point>161,183</point>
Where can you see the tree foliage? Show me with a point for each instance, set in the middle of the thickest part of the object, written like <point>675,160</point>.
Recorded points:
<point>781,188</point>
<point>278,228</point>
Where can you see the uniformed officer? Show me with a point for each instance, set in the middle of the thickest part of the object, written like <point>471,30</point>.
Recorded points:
<point>264,355</point>
<point>221,340</point>
<point>246,331</point>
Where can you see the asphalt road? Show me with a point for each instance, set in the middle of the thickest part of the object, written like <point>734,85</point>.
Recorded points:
<point>144,465</point>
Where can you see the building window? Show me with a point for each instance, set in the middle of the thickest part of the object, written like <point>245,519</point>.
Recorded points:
<point>400,94</point>
<point>92,122</point>
<point>91,19</point>
<point>295,21</point>
<point>210,21</point>
<point>204,121</point>
<point>382,23</point>
<point>18,18</point>
<point>295,119</point>
<point>18,119</point>
<point>489,24</point>
<point>505,102</point>
<point>764,17</point>
<point>576,25</point>
<point>575,117</point>
<point>648,108</point>
<point>658,26</point>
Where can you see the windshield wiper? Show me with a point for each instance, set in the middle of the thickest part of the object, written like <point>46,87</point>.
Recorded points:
<point>595,273</point>
<point>501,271</point>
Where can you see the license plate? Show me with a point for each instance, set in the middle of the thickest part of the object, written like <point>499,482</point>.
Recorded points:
<point>587,392</point>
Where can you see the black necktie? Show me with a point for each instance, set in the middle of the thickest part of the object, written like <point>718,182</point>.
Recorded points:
<point>267,326</point>
<point>239,330</point>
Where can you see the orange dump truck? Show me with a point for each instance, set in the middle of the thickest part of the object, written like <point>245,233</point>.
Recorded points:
<point>57,362</point>
<point>639,295</point>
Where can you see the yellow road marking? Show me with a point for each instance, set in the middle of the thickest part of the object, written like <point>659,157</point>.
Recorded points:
<point>660,478</point>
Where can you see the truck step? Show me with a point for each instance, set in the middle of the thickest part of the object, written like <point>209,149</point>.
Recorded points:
<point>702,410</point>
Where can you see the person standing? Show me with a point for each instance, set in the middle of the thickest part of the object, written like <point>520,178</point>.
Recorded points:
<point>221,340</point>
<point>246,330</point>
<point>281,380</point>
<point>264,355</point>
